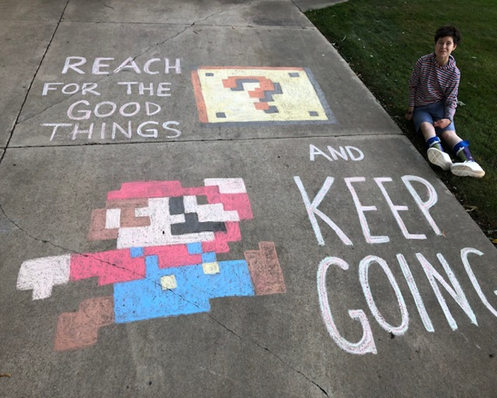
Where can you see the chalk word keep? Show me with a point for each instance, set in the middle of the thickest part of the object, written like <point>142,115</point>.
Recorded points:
<point>424,206</point>
<point>367,344</point>
<point>107,66</point>
<point>346,152</point>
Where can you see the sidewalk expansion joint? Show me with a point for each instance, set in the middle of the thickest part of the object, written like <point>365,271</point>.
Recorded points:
<point>186,27</point>
<point>217,140</point>
<point>32,81</point>
<point>18,227</point>
<point>211,317</point>
<point>267,350</point>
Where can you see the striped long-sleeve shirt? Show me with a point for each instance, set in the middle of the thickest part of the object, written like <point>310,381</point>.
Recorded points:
<point>432,83</point>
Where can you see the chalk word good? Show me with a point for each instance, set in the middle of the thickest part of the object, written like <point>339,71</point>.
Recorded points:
<point>165,262</point>
<point>367,343</point>
<point>409,182</point>
<point>227,95</point>
<point>82,110</point>
<point>106,66</point>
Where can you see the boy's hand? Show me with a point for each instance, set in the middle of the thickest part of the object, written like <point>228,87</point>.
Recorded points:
<point>442,123</point>
<point>409,112</point>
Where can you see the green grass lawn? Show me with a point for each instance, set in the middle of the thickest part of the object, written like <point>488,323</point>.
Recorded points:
<point>382,39</point>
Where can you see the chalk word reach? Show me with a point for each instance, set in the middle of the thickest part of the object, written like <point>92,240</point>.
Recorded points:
<point>106,66</point>
<point>366,344</point>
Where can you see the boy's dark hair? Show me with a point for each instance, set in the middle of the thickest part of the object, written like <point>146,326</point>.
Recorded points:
<point>448,30</point>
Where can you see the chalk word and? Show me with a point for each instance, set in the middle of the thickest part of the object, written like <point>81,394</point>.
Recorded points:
<point>343,152</point>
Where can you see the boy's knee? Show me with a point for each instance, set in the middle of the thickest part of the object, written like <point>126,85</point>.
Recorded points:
<point>448,133</point>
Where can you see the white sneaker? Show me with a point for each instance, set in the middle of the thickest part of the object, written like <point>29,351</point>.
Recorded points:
<point>469,168</point>
<point>439,158</point>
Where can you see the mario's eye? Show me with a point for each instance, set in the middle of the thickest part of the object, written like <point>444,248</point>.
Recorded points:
<point>198,218</point>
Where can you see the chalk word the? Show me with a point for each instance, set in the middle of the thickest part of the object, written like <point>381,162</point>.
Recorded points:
<point>355,154</point>
<point>162,89</point>
<point>424,206</point>
<point>366,343</point>
<point>148,129</point>
<point>128,109</point>
<point>103,66</point>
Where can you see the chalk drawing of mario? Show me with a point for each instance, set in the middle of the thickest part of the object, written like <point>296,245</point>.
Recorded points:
<point>165,263</point>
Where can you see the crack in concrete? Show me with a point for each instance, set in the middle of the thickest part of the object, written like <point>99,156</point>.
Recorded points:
<point>144,276</point>
<point>2,210</point>
<point>213,140</point>
<point>32,81</point>
<point>70,97</point>
<point>187,27</point>
<point>269,351</point>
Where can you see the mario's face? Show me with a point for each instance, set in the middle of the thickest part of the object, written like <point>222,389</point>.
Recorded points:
<point>186,215</point>
<point>164,221</point>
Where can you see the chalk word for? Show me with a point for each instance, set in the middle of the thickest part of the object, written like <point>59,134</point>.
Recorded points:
<point>106,66</point>
<point>165,261</point>
<point>148,129</point>
<point>346,152</point>
<point>367,344</point>
<point>424,206</point>
<point>160,89</point>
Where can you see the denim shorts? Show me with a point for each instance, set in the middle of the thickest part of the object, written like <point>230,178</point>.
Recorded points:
<point>431,113</point>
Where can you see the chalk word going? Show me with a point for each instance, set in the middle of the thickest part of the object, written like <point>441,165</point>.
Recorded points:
<point>367,344</point>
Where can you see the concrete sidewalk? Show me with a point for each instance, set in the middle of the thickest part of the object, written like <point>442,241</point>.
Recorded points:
<point>203,200</point>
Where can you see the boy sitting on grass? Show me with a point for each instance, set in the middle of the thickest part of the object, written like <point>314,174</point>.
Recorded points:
<point>433,89</point>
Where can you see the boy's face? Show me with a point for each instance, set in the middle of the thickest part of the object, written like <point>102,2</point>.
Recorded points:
<point>444,47</point>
